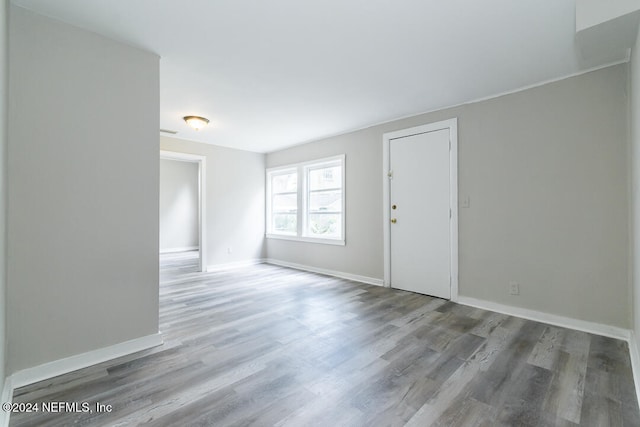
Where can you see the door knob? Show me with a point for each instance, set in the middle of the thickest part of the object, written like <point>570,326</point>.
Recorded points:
<point>393,220</point>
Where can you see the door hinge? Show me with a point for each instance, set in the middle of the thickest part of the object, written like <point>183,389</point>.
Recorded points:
<point>449,213</point>
<point>449,145</point>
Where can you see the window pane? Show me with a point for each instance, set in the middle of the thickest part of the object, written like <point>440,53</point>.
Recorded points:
<point>284,223</point>
<point>325,225</point>
<point>318,201</point>
<point>325,201</point>
<point>284,183</point>
<point>285,203</point>
<point>330,177</point>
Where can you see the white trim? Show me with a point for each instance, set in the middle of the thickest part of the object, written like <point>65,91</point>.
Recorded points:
<point>232,265</point>
<point>202,196</point>
<point>452,126</point>
<point>551,319</point>
<point>7,397</point>
<point>52,369</point>
<point>183,249</point>
<point>634,355</point>
<point>336,242</point>
<point>570,323</point>
<point>313,162</point>
<point>460,104</point>
<point>83,360</point>
<point>334,273</point>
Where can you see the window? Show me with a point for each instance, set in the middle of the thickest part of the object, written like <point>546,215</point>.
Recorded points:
<point>305,201</point>
<point>284,202</point>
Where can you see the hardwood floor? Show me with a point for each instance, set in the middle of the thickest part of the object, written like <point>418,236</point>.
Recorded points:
<point>267,345</point>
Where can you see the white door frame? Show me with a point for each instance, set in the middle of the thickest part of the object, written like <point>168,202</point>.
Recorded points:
<point>202,191</point>
<point>452,126</point>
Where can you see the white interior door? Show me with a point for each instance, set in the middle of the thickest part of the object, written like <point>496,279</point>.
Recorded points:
<point>419,191</point>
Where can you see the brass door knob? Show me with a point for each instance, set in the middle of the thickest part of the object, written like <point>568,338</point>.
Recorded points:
<point>393,220</point>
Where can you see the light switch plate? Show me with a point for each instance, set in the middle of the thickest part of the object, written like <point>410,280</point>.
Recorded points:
<point>514,288</point>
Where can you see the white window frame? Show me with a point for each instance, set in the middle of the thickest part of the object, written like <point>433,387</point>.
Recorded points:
<point>302,170</point>
<point>282,171</point>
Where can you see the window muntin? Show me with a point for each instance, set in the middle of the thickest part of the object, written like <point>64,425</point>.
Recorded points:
<point>306,201</point>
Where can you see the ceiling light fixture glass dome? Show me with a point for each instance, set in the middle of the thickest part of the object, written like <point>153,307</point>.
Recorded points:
<point>196,122</point>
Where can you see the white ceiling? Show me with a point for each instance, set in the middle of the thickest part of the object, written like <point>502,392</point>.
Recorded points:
<point>270,74</point>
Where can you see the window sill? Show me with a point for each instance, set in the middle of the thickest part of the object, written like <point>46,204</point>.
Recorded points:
<point>335,242</point>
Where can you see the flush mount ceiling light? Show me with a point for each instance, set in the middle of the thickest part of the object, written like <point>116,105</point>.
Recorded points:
<point>196,122</point>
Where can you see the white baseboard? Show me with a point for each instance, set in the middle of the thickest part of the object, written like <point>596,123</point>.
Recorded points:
<point>232,265</point>
<point>340,274</point>
<point>181,249</point>
<point>570,323</point>
<point>83,360</point>
<point>634,354</point>
<point>69,364</point>
<point>551,319</point>
<point>7,396</point>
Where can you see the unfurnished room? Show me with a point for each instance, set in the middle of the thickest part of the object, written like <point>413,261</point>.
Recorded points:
<point>336,213</point>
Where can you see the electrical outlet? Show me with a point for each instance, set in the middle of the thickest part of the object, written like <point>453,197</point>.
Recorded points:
<point>514,288</point>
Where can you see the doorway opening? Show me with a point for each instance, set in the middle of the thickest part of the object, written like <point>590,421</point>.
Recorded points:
<point>181,228</point>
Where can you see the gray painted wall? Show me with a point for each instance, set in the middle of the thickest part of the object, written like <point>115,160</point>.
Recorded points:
<point>4,74</point>
<point>546,172</point>
<point>235,200</point>
<point>83,167</point>
<point>634,70</point>
<point>178,205</point>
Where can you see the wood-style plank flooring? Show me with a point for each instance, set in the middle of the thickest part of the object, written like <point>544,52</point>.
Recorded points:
<point>272,346</point>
